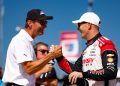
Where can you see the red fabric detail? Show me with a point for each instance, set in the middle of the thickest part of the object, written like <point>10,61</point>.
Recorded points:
<point>64,65</point>
<point>106,44</point>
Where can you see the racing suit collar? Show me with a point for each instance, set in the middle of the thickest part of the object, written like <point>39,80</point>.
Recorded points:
<point>91,41</point>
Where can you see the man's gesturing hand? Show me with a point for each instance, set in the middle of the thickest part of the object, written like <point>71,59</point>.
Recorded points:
<point>56,51</point>
<point>73,76</point>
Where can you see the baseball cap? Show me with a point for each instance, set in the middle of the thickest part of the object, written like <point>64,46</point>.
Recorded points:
<point>37,14</point>
<point>89,17</point>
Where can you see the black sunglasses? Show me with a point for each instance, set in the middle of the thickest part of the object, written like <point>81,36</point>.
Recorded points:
<point>43,51</point>
<point>43,22</point>
<point>79,24</point>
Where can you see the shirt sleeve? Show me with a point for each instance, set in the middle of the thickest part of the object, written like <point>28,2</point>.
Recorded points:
<point>64,64</point>
<point>68,67</point>
<point>23,51</point>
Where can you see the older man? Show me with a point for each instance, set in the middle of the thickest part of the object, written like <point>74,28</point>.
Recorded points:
<point>20,62</point>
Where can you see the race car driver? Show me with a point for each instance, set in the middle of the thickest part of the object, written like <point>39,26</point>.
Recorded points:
<point>98,61</point>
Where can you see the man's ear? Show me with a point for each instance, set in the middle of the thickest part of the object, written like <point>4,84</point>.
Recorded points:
<point>29,22</point>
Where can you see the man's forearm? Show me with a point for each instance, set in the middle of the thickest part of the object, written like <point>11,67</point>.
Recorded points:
<point>99,75</point>
<point>33,67</point>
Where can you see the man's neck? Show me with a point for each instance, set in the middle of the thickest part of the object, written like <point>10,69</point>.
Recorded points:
<point>29,32</point>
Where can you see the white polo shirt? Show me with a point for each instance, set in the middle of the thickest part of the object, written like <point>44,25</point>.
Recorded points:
<point>20,50</point>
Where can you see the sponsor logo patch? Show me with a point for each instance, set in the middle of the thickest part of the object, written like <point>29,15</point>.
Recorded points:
<point>110,59</point>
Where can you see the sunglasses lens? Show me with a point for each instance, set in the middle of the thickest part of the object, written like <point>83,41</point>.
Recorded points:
<point>44,51</point>
<point>78,25</point>
<point>43,22</point>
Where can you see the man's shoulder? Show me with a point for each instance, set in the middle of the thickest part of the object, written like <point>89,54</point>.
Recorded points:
<point>17,40</point>
<point>19,37</point>
<point>106,44</point>
<point>104,40</point>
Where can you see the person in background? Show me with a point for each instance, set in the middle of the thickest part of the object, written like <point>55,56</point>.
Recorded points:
<point>49,78</point>
<point>98,61</point>
<point>21,64</point>
<point>1,74</point>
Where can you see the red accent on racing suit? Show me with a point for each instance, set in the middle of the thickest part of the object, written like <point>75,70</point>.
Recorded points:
<point>98,62</point>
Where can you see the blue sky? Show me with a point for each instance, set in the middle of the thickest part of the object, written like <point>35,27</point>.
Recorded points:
<point>64,12</point>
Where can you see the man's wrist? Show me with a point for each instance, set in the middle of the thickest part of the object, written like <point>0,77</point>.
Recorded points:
<point>60,58</point>
<point>85,74</point>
